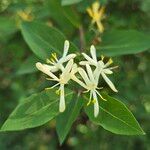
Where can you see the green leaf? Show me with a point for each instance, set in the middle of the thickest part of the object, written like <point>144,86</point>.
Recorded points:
<point>67,16</point>
<point>65,120</point>
<point>44,40</point>
<point>35,111</point>
<point>69,2</point>
<point>7,28</point>
<point>123,42</point>
<point>28,66</point>
<point>115,117</point>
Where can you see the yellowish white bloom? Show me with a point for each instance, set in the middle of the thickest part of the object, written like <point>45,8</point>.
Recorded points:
<point>63,79</point>
<point>25,14</point>
<point>91,85</point>
<point>97,14</point>
<point>90,77</point>
<point>101,67</point>
<point>57,64</point>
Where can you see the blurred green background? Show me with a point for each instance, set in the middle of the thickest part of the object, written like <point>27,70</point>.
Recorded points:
<point>19,79</point>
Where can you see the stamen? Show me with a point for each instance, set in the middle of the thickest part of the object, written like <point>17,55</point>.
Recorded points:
<point>89,99</point>
<point>52,60</point>
<point>57,92</point>
<point>110,61</point>
<point>48,88</point>
<point>94,101</point>
<point>86,91</point>
<point>52,87</point>
<point>102,57</point>
<point>99,88</point>
<point>88,102</point>
<point>100,95</point>
<point>54,55</point>
<point>49,62</point>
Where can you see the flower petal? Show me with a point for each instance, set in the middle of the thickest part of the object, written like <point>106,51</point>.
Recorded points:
<point>62,99</point>
<point>68,67</point>
<point>95,7</point>
<point>83,63</point>
<point>96,105</point>
<point>74,78</point>
<point>100,26</point>
<point>90,60</point>
<point>93,52</point>
<point>66,48</point>
<point>111,85</point>
<point>46,70</point>
<point>89,10</point>
<point>84,75</point>
<point>90,73</point>
<point>70,56</point>
<point>107,71</point>
<point>74,69</point>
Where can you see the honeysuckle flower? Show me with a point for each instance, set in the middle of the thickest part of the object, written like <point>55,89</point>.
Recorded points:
<point>91,85</point>
<point>97,14</point>
<point>101,67</point>
<point>63,79</point>
<point>25,14</point>
<point>57,64</point>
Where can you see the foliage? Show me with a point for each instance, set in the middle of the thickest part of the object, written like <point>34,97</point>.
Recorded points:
<point>30,31</point>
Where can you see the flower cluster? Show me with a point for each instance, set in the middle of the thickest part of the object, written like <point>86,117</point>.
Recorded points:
<point>96,12</point>
<point>89,78</point>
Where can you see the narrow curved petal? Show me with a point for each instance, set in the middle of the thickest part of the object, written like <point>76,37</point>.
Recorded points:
<point>66,48</point>
<point>91,61</point>
<point>96,105</point>
<point>48,67</point>
<point>54,69</point>
<point>70,56</point>
<point>74,78</point>
<point>68,67</point>
<point>84,63</point>
<point>97,72</point>
<point>45,70</point>
<point>74,69</point>
<point>93,52</point>
<point>101,12</point>
<point>84,75</point>
<point>89,10</point>
<point>111,85</point>
<point>90,73</point>
<point>95,7</point>
<point>62,105</point>
<point>100,26</point>
<point>107,71</point>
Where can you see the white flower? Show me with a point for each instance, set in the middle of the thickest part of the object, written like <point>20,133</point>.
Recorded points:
<point>63,79</point>
<point>101,67</point>
<point>90,84</point>
<point>57,64</point>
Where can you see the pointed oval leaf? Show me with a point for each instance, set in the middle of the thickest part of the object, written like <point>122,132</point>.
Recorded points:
<point>65,120</point>
<point>68,18</point>
<point>44,40</point>
<point>115,117</point>
<point>35,111</point>
<point>121,42</point>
